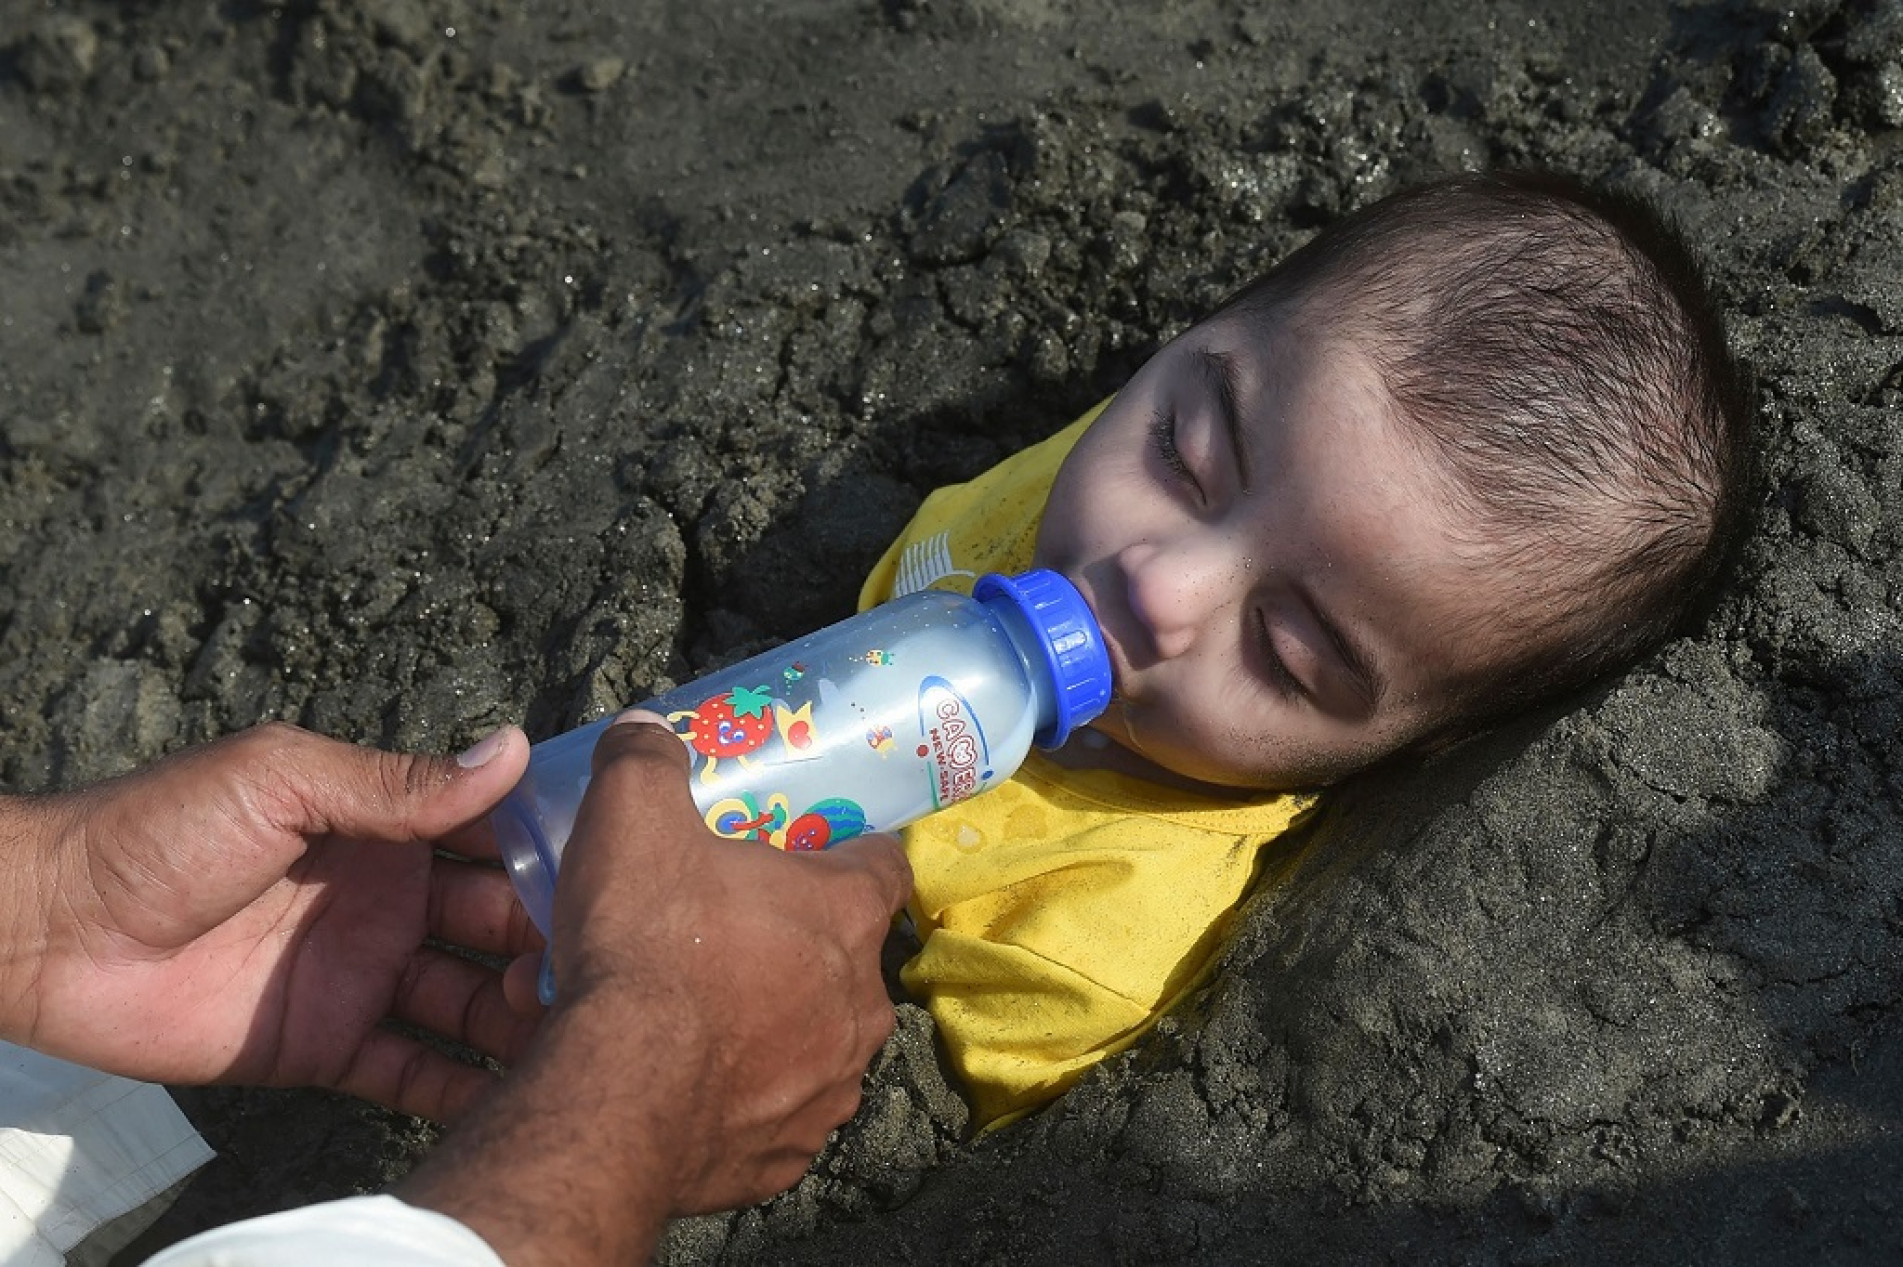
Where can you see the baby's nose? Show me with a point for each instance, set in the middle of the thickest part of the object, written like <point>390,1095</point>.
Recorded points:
<point>1176,590</point>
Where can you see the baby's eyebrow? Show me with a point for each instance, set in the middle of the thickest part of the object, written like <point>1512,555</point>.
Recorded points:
<point>1219,371</point>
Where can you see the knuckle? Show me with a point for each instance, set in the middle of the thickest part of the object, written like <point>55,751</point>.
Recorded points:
<point>265,747</point>
<point>265,767</point>
<point>784,1174</point>
<point>398,777</point>
<point>864,913</point>
<point>884,874</point>
<point>841,1107</point>
<point>885,1020</point>
<point>271,736</point>
<point>873,1031</point>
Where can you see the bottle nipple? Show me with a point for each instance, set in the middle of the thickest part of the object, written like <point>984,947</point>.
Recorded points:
<point>1069,638</point>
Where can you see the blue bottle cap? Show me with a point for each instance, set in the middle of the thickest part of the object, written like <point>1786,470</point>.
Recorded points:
<point>1072,643</point>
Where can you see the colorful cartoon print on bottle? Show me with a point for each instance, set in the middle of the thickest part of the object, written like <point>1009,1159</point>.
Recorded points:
<point>863,726</point>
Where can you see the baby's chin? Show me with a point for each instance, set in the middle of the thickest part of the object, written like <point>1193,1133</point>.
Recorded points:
<point>1108,745</point>
<point>1116,726</point>
<point>1111,741</point>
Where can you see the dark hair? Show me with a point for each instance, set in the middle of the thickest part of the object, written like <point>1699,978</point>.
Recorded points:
<point>1556,349</point>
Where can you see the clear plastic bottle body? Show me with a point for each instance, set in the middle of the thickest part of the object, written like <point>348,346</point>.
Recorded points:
<point>863,726</point>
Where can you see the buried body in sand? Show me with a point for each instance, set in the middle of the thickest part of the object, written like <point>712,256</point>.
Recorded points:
<point>1469,450</point>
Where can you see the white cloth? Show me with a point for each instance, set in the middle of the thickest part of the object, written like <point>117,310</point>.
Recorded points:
<point>79,1148</point>
<point>378,1231</point>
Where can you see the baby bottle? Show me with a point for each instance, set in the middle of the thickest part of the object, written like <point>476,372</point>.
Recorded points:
<point>864,726</point>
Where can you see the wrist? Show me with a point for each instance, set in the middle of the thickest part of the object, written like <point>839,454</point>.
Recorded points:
<point>29,835</point>
<point>562,1164</point>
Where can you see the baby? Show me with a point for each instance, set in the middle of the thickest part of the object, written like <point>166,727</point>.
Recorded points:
<point>1465,451</point>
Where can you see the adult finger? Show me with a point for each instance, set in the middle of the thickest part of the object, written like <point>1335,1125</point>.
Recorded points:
<point>411,1077</point>
<point>461,1000</point>
<point>643,752</point>
<point>521,982</point>
<point>317,784</point>
<point>475,840</point>
<point>879,861</point>
<point>640,768</point>
<point>475,907</point>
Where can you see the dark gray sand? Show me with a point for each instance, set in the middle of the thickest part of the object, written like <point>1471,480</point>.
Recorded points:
<point>408,366</point>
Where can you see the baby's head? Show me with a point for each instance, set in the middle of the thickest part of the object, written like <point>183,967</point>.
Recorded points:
<point>1467,450</point>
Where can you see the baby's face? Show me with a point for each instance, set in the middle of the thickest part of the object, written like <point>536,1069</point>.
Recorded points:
<point>1277,571</point>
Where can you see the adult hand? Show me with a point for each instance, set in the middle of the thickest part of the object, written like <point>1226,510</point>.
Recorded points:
<point>253,910</point>
<point>716,1005</point>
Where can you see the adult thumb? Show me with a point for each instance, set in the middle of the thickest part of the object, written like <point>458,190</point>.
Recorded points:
<point>397,796</point>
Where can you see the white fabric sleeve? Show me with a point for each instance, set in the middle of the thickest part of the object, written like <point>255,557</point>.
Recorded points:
<point>378,1231</point>
<point>79,1148</point>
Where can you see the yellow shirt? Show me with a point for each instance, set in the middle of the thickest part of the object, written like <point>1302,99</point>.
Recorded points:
<point>1065,910</point>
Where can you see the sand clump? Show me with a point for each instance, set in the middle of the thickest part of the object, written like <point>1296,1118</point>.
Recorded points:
<point>405,368</point>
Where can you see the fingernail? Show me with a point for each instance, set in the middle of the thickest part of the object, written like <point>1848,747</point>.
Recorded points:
<point>639,715</point>
<point>482,751</point>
